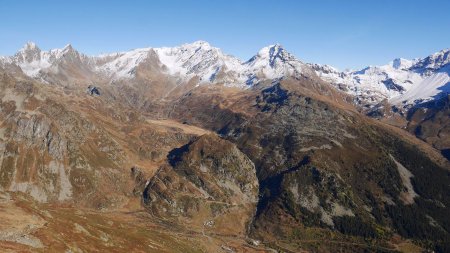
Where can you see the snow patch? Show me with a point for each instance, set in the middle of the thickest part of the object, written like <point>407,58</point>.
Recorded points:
<point>402,82</point>
<point>198,59</point>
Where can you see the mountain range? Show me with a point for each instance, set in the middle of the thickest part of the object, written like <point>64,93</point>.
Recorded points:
<point>403,83</point>
<point>188,149</point>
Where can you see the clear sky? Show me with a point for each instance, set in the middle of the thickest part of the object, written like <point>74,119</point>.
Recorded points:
<point>344,34</point>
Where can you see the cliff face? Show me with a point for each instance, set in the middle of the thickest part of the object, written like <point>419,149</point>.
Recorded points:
<point>45,150</point>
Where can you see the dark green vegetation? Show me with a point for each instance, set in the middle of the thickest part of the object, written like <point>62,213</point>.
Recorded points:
<point>431,122</point>
<point>325,167</point>
<point>291,164</point>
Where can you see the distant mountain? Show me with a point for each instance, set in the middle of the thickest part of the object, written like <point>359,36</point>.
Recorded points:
<point>148,77</point>
<point>198,59</point>
<point>403,83</point>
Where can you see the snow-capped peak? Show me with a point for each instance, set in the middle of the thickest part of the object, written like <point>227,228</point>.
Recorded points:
<point>432,62</point>
<point>270,55</point>
<point>275,62</point>
<point>401,81</point>
<point>197,44</point>
<point>270,50</point>
<point>29,46</point>
<point>401,63</point>
<point>28,53</point>
<point>277,52</point>
<point>196,59</point>
<point>32,60</point>
<point>201,59</point>
<point>67,48</point>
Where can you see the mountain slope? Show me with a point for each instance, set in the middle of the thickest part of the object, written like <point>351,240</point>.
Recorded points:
<point>73,166</point>
<point>401,93</point>
<point>323,167</point>
<point>403,83</point>
<point>281,160</point>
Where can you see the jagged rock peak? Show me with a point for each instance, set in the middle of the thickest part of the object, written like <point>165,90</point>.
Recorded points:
<point>30,46</point>
<point>198,43</point>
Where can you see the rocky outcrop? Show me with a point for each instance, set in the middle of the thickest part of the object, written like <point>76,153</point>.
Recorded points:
<point>34,159</point>
<point>38,131</point>
<point>210,183</point>
<point>48,151</point>
<point>321,166</point>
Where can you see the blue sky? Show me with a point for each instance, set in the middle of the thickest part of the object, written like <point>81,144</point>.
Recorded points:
<point>345,34</point>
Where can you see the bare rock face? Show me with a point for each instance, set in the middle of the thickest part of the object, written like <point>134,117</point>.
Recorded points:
<point>38,131</point>
<point>51,151</point>
<point>33,150</point>
<point>210,184</point>
<point>34,159</point>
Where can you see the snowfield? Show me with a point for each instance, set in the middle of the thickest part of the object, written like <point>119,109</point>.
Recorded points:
<point>401,82</point>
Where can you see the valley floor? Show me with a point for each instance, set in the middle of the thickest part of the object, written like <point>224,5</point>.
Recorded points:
<point>30,227</point>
